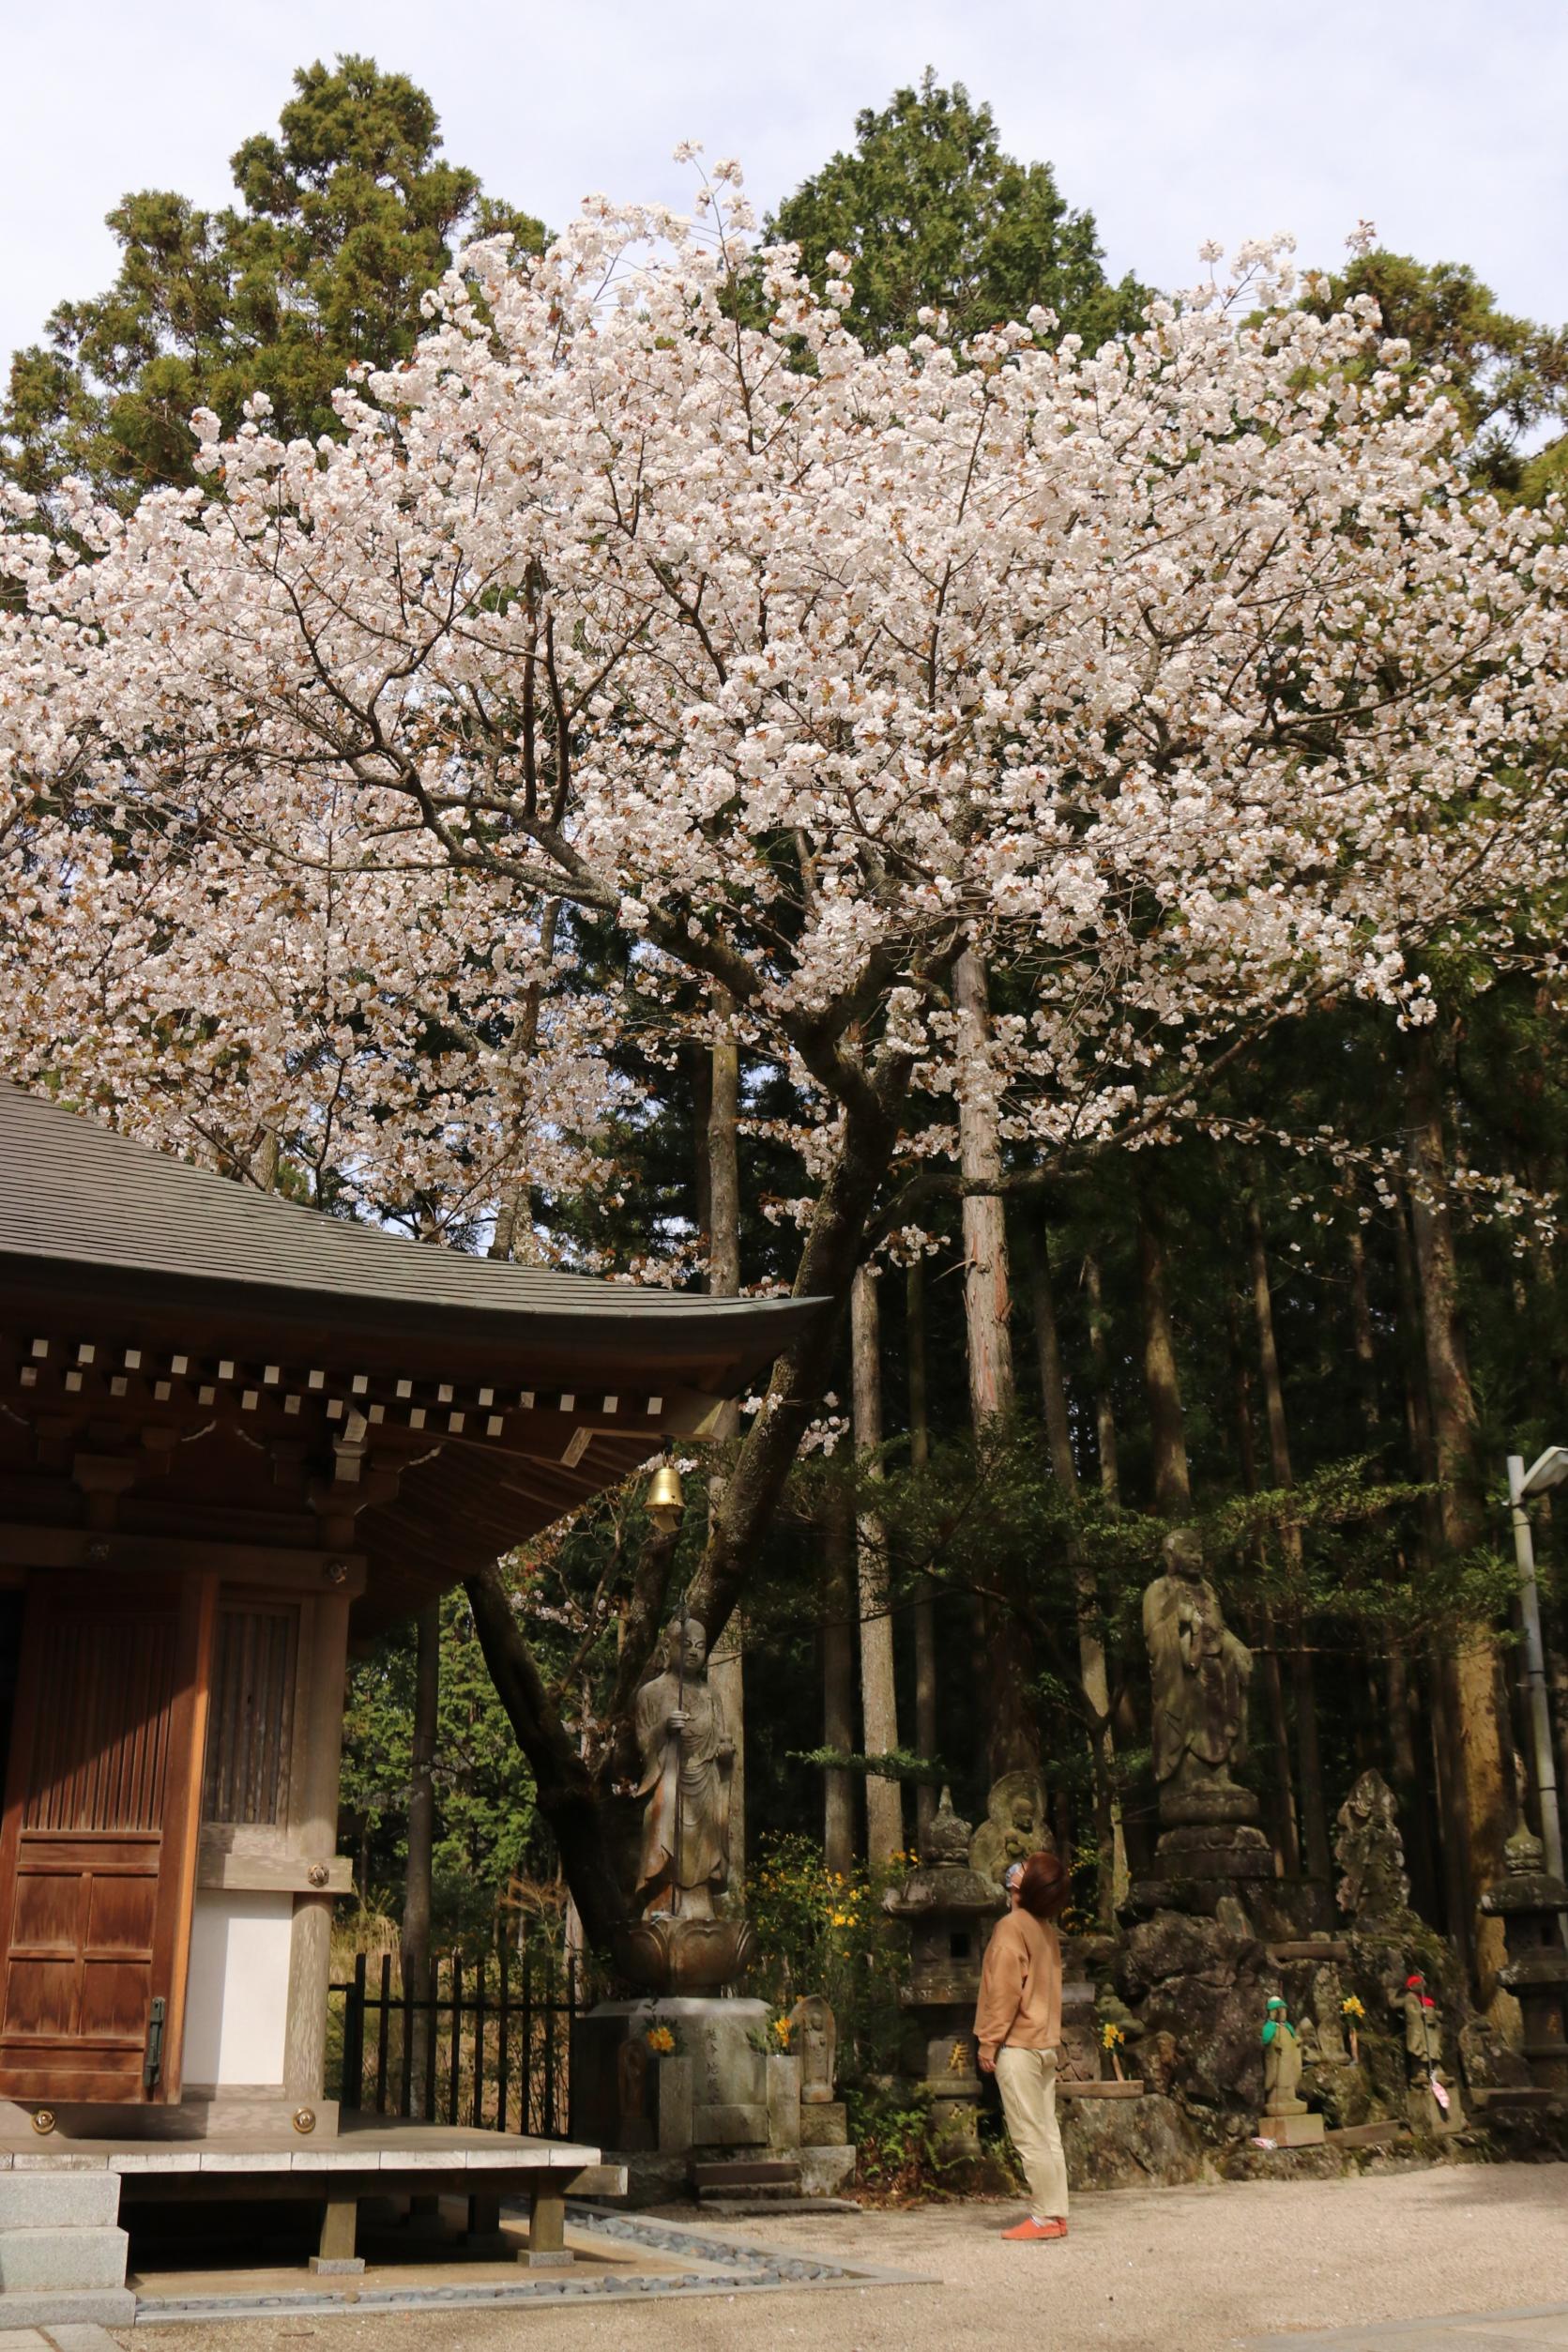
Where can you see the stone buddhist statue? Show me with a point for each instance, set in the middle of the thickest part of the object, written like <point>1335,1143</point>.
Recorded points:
<point>1014,1826</point>
<point>1373,1886</point>
<point>814,2039</point>
<point>687,1758</point>
<point>1200,1672</point>
<point>1282,2063</point>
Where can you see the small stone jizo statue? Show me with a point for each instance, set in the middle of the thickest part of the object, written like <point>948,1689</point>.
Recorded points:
<point>687,1758</point>
<point>1424,2049</point>
<point>1200,1672</point>
<point>1281,2062</point>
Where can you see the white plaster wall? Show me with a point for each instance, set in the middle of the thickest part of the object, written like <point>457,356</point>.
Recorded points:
<point>236,1996</point>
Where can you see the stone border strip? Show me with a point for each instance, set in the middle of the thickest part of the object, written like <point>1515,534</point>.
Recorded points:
<point>719,2265</point>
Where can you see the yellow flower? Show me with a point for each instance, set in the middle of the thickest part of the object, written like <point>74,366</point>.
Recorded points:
<point>660,2039</point>
<point>1350,2007</point>
<point>1111,2037</point>
<point>781,2026</point>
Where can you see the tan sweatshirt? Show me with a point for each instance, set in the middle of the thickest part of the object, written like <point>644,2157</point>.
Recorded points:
<point>1020,1986</point>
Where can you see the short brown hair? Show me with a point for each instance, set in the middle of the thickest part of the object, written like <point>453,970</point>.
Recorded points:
<point>1043,1890</point>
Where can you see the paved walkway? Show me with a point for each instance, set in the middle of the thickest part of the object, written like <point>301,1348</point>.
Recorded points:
<point>1461,2258</point>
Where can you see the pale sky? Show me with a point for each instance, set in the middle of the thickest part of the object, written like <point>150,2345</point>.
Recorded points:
<point>1442,121</point>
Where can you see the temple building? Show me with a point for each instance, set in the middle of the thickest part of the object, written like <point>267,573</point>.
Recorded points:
<point>235,1436</point>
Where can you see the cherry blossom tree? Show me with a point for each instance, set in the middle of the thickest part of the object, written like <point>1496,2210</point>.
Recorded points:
<point>1184,682</point>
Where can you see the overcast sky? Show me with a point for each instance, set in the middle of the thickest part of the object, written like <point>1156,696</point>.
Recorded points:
<point>1172,120</point>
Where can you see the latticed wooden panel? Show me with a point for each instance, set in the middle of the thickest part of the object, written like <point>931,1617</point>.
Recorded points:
<point>251,1724</point>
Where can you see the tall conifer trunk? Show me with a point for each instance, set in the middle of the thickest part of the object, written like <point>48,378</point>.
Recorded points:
<point>1013,1737</point>
<point>839,1617</point>
<point>721,1186</point>
<point>878,1687</point>
<point>1261,1631</point>
<point>926,1607</point>
<point>1479,1728</point>
<point>1315,1825</point>
<point>1110,1844</point>
<point>1161,1380</point>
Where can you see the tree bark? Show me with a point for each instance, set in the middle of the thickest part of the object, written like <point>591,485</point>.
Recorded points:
<point>1161,1380</point>
<point>1488,1807</point>
<point>925,1605</point>
<point>839,1615</point>
<point>878,1687</point>
<point>1401,1684</point>
<point>1111,1874</point>
<point>1287,1850</point>
<point>418,1891</point>
<point>1100,1358</point>
<point>1013,1735</point>
<point>720,1163</point>
<point>1314,1824</point>
<point>564,1788</point>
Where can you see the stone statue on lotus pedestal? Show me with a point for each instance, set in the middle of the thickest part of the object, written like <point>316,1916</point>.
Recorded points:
<point>1373,1890</point>
<point>1199,1672</point>
<point>679,1943</point>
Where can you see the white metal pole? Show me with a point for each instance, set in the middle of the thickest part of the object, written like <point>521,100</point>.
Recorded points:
<point>1535,1670</point>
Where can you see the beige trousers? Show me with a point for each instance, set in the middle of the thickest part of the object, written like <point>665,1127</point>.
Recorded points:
<point>1027,2081</point>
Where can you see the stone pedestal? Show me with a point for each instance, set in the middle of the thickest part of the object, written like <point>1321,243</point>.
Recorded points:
<point>709,2095</point>
<point>1300,2131</point>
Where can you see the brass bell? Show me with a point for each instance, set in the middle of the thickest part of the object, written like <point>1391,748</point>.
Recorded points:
<point>665,1501</point>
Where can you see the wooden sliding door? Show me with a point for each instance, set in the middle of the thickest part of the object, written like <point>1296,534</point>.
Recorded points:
<point>97,1849</point>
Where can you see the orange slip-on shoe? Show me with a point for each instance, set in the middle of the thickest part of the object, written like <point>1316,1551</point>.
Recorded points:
<point>1031,2230</point>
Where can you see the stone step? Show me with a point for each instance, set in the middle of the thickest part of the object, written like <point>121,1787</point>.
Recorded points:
<point>85,2200</point>
<point>63,2258</point>
<point>759,2192</point>
<point>65,2306</point>
<point>760,2208</point>
<point>760,2173</point>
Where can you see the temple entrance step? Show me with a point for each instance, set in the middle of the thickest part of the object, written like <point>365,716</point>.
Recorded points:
<point>750,2178</point>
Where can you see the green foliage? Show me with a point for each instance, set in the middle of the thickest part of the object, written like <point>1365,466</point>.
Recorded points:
<point>347,216</point>
<point>821,1932</point>
<point>933,214</point>
<point>486,1830</point>
<point>1506,376</point>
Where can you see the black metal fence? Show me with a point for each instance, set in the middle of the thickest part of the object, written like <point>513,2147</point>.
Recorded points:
<point>490,2046</point>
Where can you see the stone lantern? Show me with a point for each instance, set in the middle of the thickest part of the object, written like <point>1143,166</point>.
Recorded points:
<point>950,1910</point>
<point>1530,1903</point>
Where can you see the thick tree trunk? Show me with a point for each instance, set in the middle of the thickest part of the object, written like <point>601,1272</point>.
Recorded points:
<point>418,1887</point>
<point>1282,1789</point>
<point>1314,1824</point>
<point>878,1687</point>
<point>925,1605</point>
<point>804,1372</point>
<point>839,1615</point>
<point>1111,1874</point>
<point>1013,1735</point>
<point>1488,1806</point>
<point>564,1788</point>
<point>1161,1381</point>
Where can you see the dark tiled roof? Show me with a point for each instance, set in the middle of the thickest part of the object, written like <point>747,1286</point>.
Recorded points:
<point>79,1203</point>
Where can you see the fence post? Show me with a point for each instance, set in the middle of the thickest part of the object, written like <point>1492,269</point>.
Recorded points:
<point>526,2093</point>
<point>386,2007</point>
<point>350,2090</point>
<point>454,2078</point>
<point>503,1957</point>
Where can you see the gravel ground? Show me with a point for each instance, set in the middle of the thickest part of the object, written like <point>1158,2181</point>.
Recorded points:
<point>1144,2270</point>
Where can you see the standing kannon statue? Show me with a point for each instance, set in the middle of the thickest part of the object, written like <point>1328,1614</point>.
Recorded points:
<point>687,1759</point>
<point>1200,1672</point>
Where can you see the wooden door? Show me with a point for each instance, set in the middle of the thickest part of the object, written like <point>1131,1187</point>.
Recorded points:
<point>97,1849</point>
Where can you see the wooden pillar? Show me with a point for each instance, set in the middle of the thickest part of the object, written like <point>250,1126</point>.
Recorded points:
<point>314,1834</point>
<point>340,2223</point>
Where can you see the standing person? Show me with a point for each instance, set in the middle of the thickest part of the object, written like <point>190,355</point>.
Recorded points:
<point>1018,2025</point>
